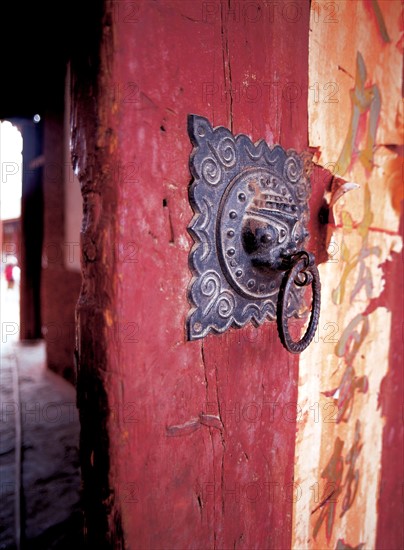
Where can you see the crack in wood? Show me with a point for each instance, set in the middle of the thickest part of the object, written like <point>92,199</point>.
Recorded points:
<point>226,63</point>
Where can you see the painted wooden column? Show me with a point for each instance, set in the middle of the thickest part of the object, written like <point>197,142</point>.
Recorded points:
<point>184,445</point>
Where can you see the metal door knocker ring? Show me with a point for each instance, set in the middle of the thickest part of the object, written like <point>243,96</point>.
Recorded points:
<point>303,264</point>
<point>251,210</point>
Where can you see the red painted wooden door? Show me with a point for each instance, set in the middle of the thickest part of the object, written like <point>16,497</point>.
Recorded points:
<point>184,444</point>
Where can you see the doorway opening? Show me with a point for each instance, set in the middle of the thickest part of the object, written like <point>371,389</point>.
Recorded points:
<point>11,144</point>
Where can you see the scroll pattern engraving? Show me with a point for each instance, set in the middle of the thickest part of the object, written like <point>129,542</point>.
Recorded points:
<point>217,160</point>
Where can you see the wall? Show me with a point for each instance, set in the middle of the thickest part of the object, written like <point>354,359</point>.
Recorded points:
<point>349,447</point>
<point>60,285</point>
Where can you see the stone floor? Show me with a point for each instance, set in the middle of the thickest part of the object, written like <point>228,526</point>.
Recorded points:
<point>39,436</point>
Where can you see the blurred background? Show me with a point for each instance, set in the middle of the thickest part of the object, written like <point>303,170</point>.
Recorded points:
<point>41,211</point>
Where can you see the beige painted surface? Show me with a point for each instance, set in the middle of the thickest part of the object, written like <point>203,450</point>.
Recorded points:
<point>364,233</point>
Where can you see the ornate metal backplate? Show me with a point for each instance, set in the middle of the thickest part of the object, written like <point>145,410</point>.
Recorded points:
<point>251,215</point>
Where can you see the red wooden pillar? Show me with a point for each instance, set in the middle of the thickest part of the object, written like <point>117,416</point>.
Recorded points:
<point>148,65</point>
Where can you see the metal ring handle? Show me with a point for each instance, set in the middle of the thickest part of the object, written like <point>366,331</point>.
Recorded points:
<point>302,263</point>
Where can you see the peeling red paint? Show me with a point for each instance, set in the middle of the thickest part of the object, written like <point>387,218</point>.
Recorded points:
<point>390,531</point>
<point>199,451</point>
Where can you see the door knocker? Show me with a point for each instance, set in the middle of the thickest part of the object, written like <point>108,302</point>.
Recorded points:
<point>250,228</point>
